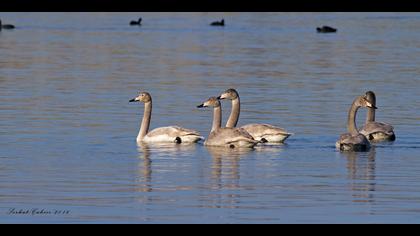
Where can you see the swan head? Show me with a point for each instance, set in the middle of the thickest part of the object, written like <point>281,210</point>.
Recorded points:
<point>363,101</point>
<point>142,97</point>
<point>230,94</point>
<point>211,102</point>
<point>370,96</point>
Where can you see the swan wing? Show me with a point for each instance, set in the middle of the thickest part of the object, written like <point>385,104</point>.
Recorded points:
<point>170,133</point>
<point>226,136</point>
<point>267,133</point>
<point>375,127</point>
<point>264,129</point>
<point>352,142</point>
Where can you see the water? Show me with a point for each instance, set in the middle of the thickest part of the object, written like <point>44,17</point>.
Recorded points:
<point>68,132</point>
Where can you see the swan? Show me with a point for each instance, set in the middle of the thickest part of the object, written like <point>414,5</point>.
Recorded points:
<point>354,141</point>
<point>169,134</point>
<point>218,23</point>
<point>6,26</point>
<point>261,132</point>
<point>225,137</point>
<point>326,29</point>
<point>136,22</point>
<point>376,131</point>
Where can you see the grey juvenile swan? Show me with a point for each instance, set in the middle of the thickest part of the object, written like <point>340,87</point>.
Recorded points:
<point>354,141</point>
<point>376,131</point>
<point>169,134</point>
<point>261,132</point>
<point>225,137</point>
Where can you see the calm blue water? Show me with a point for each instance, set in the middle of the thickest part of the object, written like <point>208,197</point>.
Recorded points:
<point>68,132</point>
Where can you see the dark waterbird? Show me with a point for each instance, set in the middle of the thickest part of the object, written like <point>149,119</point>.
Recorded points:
<point>6,26</point>
<point>326,29</point>
<point>218,23</point>
<point>136,22</point>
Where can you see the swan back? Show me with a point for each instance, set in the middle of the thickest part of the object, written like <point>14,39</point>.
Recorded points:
<point>348,142</point>
<point>230,137</point>
<point>266,132</point>
<point>378,131</point>
<point>171,134</point>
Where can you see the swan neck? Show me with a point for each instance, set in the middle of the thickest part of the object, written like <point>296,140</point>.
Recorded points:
<point>234,114</point>
<point>351,123</point>
<point>370,115</point>
<point>217,118</point>
<point>371,111</point>
<point>147,115</point>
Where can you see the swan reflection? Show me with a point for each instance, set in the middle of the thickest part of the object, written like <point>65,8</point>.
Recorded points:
<point>166,149</point>
<point>361,173</point>
<point>225,175</point>
<point>270,148</point>
<point>159,150</point>
<point>145,169</point>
